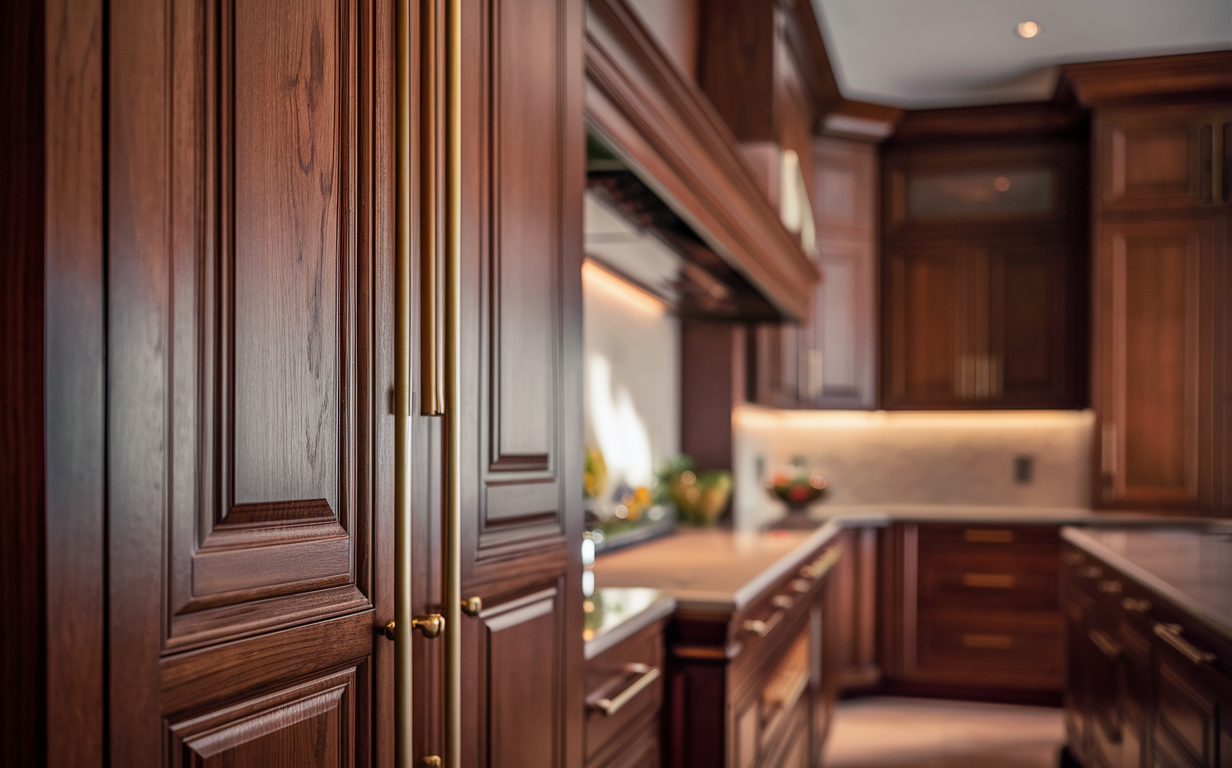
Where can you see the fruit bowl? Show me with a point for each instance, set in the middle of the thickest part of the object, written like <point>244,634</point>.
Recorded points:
<point>797,490</point>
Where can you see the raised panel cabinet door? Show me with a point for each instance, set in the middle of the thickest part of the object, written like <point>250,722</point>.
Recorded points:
<point>1158,158</point>
<point>1031,347</point>
<point>1153,361</point>
<point>934,317</point>
<point>248,287</point>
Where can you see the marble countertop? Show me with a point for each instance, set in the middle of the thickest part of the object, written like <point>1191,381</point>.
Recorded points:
<point>1190,566</point>
<point>884,514</point>
<point>613,614</point>
<point>712,569</point>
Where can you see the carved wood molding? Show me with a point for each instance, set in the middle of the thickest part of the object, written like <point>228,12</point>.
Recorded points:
<point>1195,76</point>
<point>666,130</point>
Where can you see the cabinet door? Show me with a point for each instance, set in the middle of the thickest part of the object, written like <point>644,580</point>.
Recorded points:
<point>523,176</point>
<point>1153,361</point>
<point>1160,158</point>
<point>248,290</point>
<point>1035,341</point>
<point>933,316</point>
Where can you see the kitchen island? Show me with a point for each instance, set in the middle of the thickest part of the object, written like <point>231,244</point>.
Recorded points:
<point>1149,624</point>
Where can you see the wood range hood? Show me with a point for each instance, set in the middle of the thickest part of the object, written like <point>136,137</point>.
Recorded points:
<point>666,132</point>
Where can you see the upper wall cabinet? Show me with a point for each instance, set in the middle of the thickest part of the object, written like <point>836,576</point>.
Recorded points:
<point>983,278</point>
<point>1163,159</point>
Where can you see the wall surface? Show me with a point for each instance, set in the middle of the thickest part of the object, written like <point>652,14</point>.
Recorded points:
<point>632,378</point>
<point>915,458</point>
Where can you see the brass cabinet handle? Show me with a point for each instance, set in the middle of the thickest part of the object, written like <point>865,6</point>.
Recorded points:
<point>613,705</point>
<point>452,554</point>
<point>763,628</point>
<point>1106,645</point>
<point>431,370</point>
<point>471,606</point>
<point>988,580</point>
<point>1091,572</point>
<point>1072,558</point>
<point>1110,586</point>
<point>1171,634</point>
<point>430,624</point>
<point>1141,605</point>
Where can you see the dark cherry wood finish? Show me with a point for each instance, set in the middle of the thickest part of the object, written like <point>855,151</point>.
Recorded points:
<point>523,177</point>
<point>1154,80</point>
<point>1162,247</point>
<point>631,734</point>
<point>971,611</point>
<point>1131,698</point>
<point>856,616</point>
<point>712,383</point>
<point>665,129</point>
<point>983,309</point>
<point>249,223</point>
<point>755,686</point>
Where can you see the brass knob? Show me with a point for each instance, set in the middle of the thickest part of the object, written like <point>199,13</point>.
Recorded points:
<point>388,631</point>
<point>431,761</point>
<point>430,624</point>
<point>472,606</point>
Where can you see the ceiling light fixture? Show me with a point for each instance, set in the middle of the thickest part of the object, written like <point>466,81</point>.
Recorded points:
<point>1027,29</point>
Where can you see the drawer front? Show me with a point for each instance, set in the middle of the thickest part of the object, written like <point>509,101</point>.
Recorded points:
<point>987,582</point>
<point>946,539</point>
<point>624,694</point>
<point>643,751</point>
<point>992,651</point>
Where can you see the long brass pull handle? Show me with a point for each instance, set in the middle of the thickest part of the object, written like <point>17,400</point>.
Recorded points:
<point>1137,605</point>
<point>431,386</point>
<point>452,556</point>
<point>1171,634</point>
<point>399,629</point>
<point>613,705</point>
<point>1106,645</point>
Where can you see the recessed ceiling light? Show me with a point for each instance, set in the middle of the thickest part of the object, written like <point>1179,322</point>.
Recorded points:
<point>1027,29</point>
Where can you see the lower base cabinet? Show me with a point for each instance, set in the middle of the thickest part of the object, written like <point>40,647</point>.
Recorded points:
<point>1145,687</point>
<point>624,702</point>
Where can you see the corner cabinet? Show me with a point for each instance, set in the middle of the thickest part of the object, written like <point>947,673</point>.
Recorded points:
<point>1161,285</point>
<point>983,277</point>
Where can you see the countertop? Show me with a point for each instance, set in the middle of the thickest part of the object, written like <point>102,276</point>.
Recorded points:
<point>614,614</point>
<point>1190,566</point>
<point>884,514</point>
<point>712,569</point>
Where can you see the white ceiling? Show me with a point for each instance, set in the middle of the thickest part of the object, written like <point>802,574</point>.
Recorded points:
<point>939,53</point>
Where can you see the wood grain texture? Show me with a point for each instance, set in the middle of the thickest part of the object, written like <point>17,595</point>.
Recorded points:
<point>23,470</point>
<point>74,366</point>
<point>665,127</point>
<point>246,209</point>
<point>1185,77</point>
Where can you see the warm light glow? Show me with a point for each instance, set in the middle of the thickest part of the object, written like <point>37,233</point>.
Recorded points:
<point>1002,184</point>
<point>597,278</point>
<point>755,416</point>
<point>1028,29</point>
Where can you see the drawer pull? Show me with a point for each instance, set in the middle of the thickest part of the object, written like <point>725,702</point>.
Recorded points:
<point>989,642</point>
<point>988,580</point>
<point>984,536</point>
<point>1171,634</point>
<point>1137,606</point>
<point>1110,586</point>
<point>818,567</point>
<point>1105,644</point>
<point>613,705</point>
<point>802,585</point>
<point>1072,558</point>
<point>1091,572</point>
<point>762,628</point>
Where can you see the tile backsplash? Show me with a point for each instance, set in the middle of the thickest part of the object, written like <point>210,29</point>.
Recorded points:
<point>1004,459</point>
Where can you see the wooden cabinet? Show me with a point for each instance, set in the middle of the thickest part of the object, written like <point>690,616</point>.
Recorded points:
<point>973,611</point>
<point>523,176</point>
<point>1146,686</point>
<point>624,702</point>
<point>983,277</point>
<point>1161,280</point>
<point>753,687</point>
<point>853,610</point>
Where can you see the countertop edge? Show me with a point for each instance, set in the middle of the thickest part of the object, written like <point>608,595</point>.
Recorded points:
<point>1145,578</point>
<point>783,565</point>
<point>660,609</point>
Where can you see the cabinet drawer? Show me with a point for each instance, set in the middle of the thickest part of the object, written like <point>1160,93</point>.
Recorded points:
<point>987,583</point>
<point>945,540</point>
<point>992,650</point>
<point>624,694</point>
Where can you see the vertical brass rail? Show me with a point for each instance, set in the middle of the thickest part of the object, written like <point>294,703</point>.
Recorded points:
<point>453,390</point>
<point>431,387</point>
<point>401,631</point>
